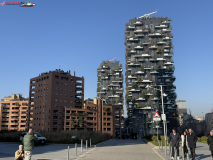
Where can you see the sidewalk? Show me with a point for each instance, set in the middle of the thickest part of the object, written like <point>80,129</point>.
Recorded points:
<point>122,150</point>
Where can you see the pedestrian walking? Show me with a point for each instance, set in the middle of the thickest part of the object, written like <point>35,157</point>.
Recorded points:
<point>29,140</point>
<point>184,143</point>
<point>175,139</point>
<point>192,139</point>
<point>210,142</point>
<point>19,154</point>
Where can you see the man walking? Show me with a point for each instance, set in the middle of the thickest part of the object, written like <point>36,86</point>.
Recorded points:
<point>29,139</point>
<point>192,139</point>
<point>175,139</point>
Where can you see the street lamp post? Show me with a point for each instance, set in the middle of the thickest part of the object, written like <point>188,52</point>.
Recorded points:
<point>164,121</point>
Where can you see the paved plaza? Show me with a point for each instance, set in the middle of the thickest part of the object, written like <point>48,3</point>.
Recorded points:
<point>110,150</point>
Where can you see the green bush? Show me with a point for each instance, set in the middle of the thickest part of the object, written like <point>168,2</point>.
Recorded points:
<point>204,138</point>
<point>163,138</point>
<point>155,138</point>
<point>198,139</point>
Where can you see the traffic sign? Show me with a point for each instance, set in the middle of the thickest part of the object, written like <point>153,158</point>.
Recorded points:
<point>163,117</point>
<point>156,117</point>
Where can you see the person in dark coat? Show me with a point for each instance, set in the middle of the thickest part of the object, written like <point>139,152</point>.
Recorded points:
<point>175,139</point>
<point>192,139</point>
<point>210,142</point>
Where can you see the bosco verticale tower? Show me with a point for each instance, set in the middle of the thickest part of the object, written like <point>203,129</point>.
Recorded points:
<point>149,53</point>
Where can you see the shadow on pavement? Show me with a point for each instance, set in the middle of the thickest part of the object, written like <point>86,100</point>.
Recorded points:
<point>202,156</point>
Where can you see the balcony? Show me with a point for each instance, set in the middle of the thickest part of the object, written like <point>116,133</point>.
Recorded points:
<point>154,72</point>
<point>168,55</point>
<point>146,81</point>
<point>131,27</point>
<point>134,90</point>
<point>132,77</point>
<point>153,47</point>
<point>138,47</point>
<point>54,126</point>
<point>4,123</point>
<point>161,26</point>
<point>146,43</point>
<point>166,22</point>
<point>161,42</point>
<point>146,55</point>
<point>132,39</point>
<point>55,120</point>
<point>140,99</point>
<point>166,30</point>
<point>155,34</point>
<point>79,104</point>
<point>113,96</point>
<point>139,72</point>
<point>168,63</point>
<point>166,38</point>
<point>5,115</point>
<point>55,114</point>
<point>137,23</point>
<point>139,35</point>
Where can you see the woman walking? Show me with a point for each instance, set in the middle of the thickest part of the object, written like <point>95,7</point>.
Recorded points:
<point>184,143</point>
<point>210,142</point>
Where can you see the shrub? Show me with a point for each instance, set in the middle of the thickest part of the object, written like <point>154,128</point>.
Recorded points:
<point>204,138</point>
<point>198,139</point>
<point>163,138</point>
<point>155,138</point>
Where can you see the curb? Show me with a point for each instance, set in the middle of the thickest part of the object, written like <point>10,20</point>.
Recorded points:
<point>149,143</point>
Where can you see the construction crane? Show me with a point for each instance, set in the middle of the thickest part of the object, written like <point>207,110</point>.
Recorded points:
<point>147,15</point>
<point>112,60</point>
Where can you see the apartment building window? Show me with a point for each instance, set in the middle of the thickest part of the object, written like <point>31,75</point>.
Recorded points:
<point>61,83</point>
<point>71,84</point>
<point>56,94</point>
<point>65,95</point>
<point>47,88</point>
<point>57,82</point>
<point>104,129</point>
<point>61,89</point>
<point>71,90</point>
<point>71,95</point>
<point>65,84</point>
<point>104,119</point>
<point>61,94</point>
<point>60,100</point>
<point>56,88</point>
<point>65,100</point>
<point>56,100</point>
<point>70,101</point>
<point>47,82</point>
<point>104,124</point>
<point>108,129</point>
<point>65,89</point>
<point>56,105</point>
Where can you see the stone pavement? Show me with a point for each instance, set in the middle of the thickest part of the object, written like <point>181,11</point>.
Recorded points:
<point>50,152</point>
<point>122,150</point>
<point>202,152</point>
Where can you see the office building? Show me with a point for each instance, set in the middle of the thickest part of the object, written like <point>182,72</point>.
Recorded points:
<point>13,112</point>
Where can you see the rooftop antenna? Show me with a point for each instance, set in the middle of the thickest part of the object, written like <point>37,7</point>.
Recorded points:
<point>147,15</point>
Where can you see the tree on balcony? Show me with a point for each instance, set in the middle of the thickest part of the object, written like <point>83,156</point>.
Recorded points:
<point>138,79</point>
<point>17,104</point>
<point>106,74</point>
<point>133,101</point>
<point>80,121</point>
<point>143,94</point>
<point>139,105</point>
<point>142,68</point>
<point>134,85</point>
<point>159,49</point>
<point>113,91</point>
<point>72,124</point>
<point>128,100</point>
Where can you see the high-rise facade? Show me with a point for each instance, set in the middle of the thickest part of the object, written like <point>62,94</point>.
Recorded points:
<point>110,82</point>
<point>13,112</point>
<point>149,53</point>
<point>49,94</point>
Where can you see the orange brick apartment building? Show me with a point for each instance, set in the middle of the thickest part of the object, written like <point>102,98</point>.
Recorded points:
<point>56,102</point>
<point>13,112</point>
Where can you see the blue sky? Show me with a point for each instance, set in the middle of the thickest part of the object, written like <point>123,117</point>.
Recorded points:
<point>78,35</point>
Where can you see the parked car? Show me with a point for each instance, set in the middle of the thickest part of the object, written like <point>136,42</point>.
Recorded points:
<point>41,139</point>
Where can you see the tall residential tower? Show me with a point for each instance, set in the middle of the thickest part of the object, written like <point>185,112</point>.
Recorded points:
<point>149,53</point>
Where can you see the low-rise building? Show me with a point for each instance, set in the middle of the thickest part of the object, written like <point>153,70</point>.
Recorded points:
<point>13,112</point>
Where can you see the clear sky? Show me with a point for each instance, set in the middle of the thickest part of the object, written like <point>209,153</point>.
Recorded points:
<point>78,35</point>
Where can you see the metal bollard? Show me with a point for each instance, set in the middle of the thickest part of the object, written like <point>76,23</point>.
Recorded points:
<point>76,149</point>
<point>187,156</point>
<point>183,154</point>
<point>90,142</point>
<point>86,145</point>
<point>175,153</point>
<point>166,148</point>
<point>169,149</point>
<point>162,144</point>
<point>159,144</point>
<point>68,153</point>
<point>81,145</point>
